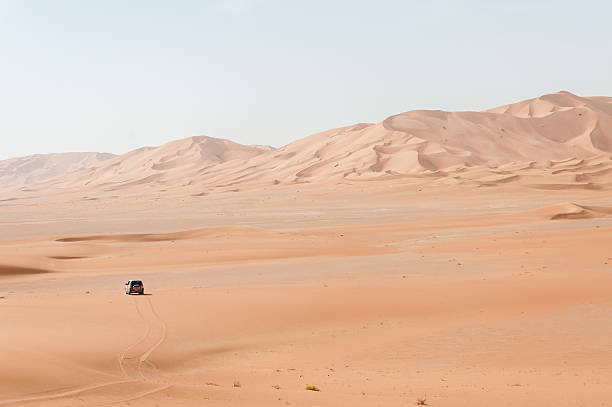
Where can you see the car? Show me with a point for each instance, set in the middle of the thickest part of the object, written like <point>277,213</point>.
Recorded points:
<point>134,286</point>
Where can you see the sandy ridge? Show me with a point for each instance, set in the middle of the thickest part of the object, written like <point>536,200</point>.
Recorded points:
<point>561,129</point>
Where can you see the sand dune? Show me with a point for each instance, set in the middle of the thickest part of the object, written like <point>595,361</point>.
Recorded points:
<point>556,131</point>
<point>23,171</point>
<point>586,174</point>
<point>177,163</point>
<point>570,210</point>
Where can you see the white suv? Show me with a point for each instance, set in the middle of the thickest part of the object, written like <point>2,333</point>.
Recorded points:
<point>134,286</point>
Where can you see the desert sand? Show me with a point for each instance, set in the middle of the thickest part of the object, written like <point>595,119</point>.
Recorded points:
<point>561,132</point>
<point>478,273</point>
<point>22,171</point>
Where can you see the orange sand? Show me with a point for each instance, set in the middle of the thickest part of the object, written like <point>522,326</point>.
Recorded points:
<point>377,293</point>
<point>460,258</point>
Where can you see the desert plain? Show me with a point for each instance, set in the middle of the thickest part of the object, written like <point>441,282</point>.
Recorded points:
<point>417,279</point>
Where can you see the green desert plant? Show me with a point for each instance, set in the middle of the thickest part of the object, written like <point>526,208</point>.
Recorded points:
<point>312,387</point>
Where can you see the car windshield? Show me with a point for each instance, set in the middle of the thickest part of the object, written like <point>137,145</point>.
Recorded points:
<point>136,282</point>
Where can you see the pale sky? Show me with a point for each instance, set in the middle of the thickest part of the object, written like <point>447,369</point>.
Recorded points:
<point>115,75</point>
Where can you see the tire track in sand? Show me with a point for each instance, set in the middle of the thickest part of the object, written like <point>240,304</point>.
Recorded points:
<point>156,323</point>
<point>122,357</point>
<point>129,377</point>
<point>67,393</point>
<point>134,397</point>
<point>145,356</point>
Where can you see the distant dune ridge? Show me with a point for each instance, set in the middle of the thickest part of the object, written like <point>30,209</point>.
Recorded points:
<point>19,172</point>
<point>506,142</point>
<point>178,163</point>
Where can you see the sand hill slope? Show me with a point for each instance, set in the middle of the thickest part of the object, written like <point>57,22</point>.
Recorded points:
<point>553,129</point>
<point>23,171</point>
<point>177,163</point>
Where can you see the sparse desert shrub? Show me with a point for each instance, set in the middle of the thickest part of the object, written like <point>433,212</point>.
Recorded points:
<point>421,401</point>
<point>237,383</point>
<point>312,387</point>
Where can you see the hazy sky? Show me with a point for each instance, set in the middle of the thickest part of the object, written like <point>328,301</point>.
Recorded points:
<point>79,75</point>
